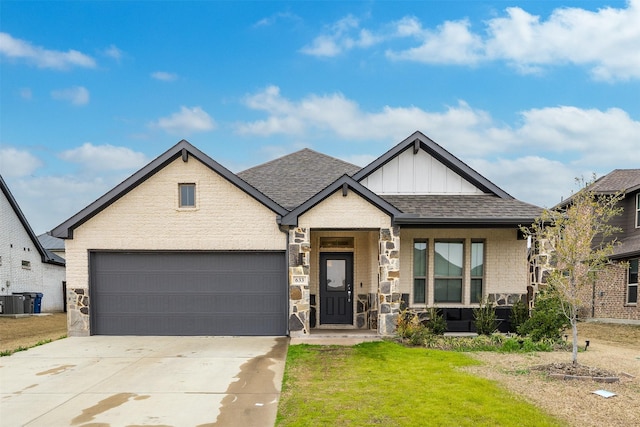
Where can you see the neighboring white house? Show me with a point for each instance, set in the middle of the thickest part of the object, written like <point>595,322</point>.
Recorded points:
<point>25,266</point>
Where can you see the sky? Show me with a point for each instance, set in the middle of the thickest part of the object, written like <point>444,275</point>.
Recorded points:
<point>531,94</point>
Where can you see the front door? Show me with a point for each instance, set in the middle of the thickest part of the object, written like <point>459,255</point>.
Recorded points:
<point>336,288</point>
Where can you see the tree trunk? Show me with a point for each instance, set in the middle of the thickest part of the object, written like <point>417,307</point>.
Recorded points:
<point>574,330</point>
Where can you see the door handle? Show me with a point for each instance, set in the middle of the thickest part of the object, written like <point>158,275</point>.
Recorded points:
<point>349,293</point>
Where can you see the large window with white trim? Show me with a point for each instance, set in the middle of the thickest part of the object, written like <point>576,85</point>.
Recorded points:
<point>638,210</point>
<point>632,282</point>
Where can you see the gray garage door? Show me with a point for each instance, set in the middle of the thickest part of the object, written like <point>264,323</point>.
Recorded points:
<point>188,293</point>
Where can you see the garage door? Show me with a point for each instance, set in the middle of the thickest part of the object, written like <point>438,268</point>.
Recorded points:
<point>188,293</point>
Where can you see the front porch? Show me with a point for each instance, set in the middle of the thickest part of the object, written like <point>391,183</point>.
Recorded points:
<point>343,280</point>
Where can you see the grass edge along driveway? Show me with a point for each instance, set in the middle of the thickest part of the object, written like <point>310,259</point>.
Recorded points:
<point>384,383</point>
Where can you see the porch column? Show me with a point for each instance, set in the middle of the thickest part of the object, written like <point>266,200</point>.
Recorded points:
<point>389,277</point>
<point>299,306</point>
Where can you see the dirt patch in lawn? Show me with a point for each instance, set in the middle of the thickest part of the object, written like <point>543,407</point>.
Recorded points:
<point>28,331</point>
<point>613,348</point>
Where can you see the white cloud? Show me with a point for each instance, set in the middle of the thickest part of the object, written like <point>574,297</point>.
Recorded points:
<point>186,121</point>
<point>451,43</point>
<point>113,52</point>
<point>343,35</point>
<point>77,95</point>
<point>582,141</point>
<point>164,76</point>
<point>44,58</point>
<point>280,16</point>
<point>104,157</point>
<point>17,163</point>
<point>605,41</point>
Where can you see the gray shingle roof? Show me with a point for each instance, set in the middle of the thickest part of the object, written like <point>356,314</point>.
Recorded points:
<point>476,209</point>
<point>618,180</point>
<point>293,179</point>
<point>628,247</point>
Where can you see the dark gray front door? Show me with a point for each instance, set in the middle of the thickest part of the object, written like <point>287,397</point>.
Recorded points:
<point>336,288</point>
<point>188,293</point>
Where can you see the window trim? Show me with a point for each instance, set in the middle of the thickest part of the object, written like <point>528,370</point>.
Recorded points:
<point>425,278</point>
<point>482,277</point>
<point>630,284</point>
<point>637,210</point>
<point>436,277</point>
<point>195,197</point>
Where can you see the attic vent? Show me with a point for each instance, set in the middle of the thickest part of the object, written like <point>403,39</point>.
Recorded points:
<point>185,155</point>
<point>416,146</point>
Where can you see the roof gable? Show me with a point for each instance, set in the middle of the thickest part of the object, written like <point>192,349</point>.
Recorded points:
<point>45,255</point>
<point>344,183</point>
<point>292,179</point>
<point>418,165</point>
<point>182,149</point>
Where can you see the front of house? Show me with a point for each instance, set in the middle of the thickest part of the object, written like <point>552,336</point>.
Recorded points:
<point>304,242</point>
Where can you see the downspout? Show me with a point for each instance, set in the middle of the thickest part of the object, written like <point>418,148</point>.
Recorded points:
<point>285,230</point>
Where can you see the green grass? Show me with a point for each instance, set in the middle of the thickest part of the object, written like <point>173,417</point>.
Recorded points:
<point>22,348</point>
<point>384,383</point>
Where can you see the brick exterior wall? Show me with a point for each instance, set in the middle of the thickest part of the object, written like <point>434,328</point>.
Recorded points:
<point>505,262</point>
<point>148,218</point>
<point>16,246</point>
<point>610,295</point>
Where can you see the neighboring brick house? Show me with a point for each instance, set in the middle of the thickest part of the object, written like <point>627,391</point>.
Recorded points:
<point>615,292</point>
<point>25,266</point>
<point>303,242</point>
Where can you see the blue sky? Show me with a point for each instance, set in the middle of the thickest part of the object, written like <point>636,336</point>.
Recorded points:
<point>531,94</point>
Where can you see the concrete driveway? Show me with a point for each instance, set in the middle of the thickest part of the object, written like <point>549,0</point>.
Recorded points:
<point>162,381</point>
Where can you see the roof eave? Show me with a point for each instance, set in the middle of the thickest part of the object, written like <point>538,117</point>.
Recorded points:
<point>405,219</point>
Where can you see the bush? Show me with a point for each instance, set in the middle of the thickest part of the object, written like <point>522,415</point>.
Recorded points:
<point>519,314</point>
<point>485,317</point>
<point>435,323</point>
<point>547,320</point>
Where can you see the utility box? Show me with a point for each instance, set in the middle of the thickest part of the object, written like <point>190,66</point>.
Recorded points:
<point>13,304</point>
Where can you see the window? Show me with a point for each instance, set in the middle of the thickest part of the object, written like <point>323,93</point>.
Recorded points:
<point>477,271</point>
<point>187,195</point>
<point>632,285</point>
<point>419,272</point>
<point>638,210</point>
<point>448,265</point>
<point>26,264</point>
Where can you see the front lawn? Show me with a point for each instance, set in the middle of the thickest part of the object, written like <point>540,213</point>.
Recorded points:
<point>384,383</point>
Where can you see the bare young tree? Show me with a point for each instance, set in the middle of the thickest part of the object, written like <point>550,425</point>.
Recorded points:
<point>580,238</point>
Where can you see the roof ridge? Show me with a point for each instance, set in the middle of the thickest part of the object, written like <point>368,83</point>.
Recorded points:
<point>268,162</point>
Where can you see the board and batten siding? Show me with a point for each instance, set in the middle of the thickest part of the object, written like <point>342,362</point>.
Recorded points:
<point>419,173</point>
<point>148,218</point>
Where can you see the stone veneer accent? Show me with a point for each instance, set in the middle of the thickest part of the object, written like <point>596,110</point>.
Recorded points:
<point>299,259</point>
<point>367,311</point>
<point>389,277</point>
<point>78,312</point>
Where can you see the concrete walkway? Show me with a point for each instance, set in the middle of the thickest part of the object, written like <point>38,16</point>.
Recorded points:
<point>170,381</point>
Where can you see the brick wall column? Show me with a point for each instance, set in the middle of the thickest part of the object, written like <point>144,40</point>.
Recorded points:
<point>388,280</point>
<point>299,258</point>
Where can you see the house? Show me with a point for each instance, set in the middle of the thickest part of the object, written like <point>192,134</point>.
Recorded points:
<point>52,244</point>
<point>615,291</point>
<point>25,265</point>
<point>186,247</point>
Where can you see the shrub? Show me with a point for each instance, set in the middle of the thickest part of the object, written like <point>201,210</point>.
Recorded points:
<point>485,318</point>
<point>547,320</point>
<point>519,314</point>
<point>435,322</point>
